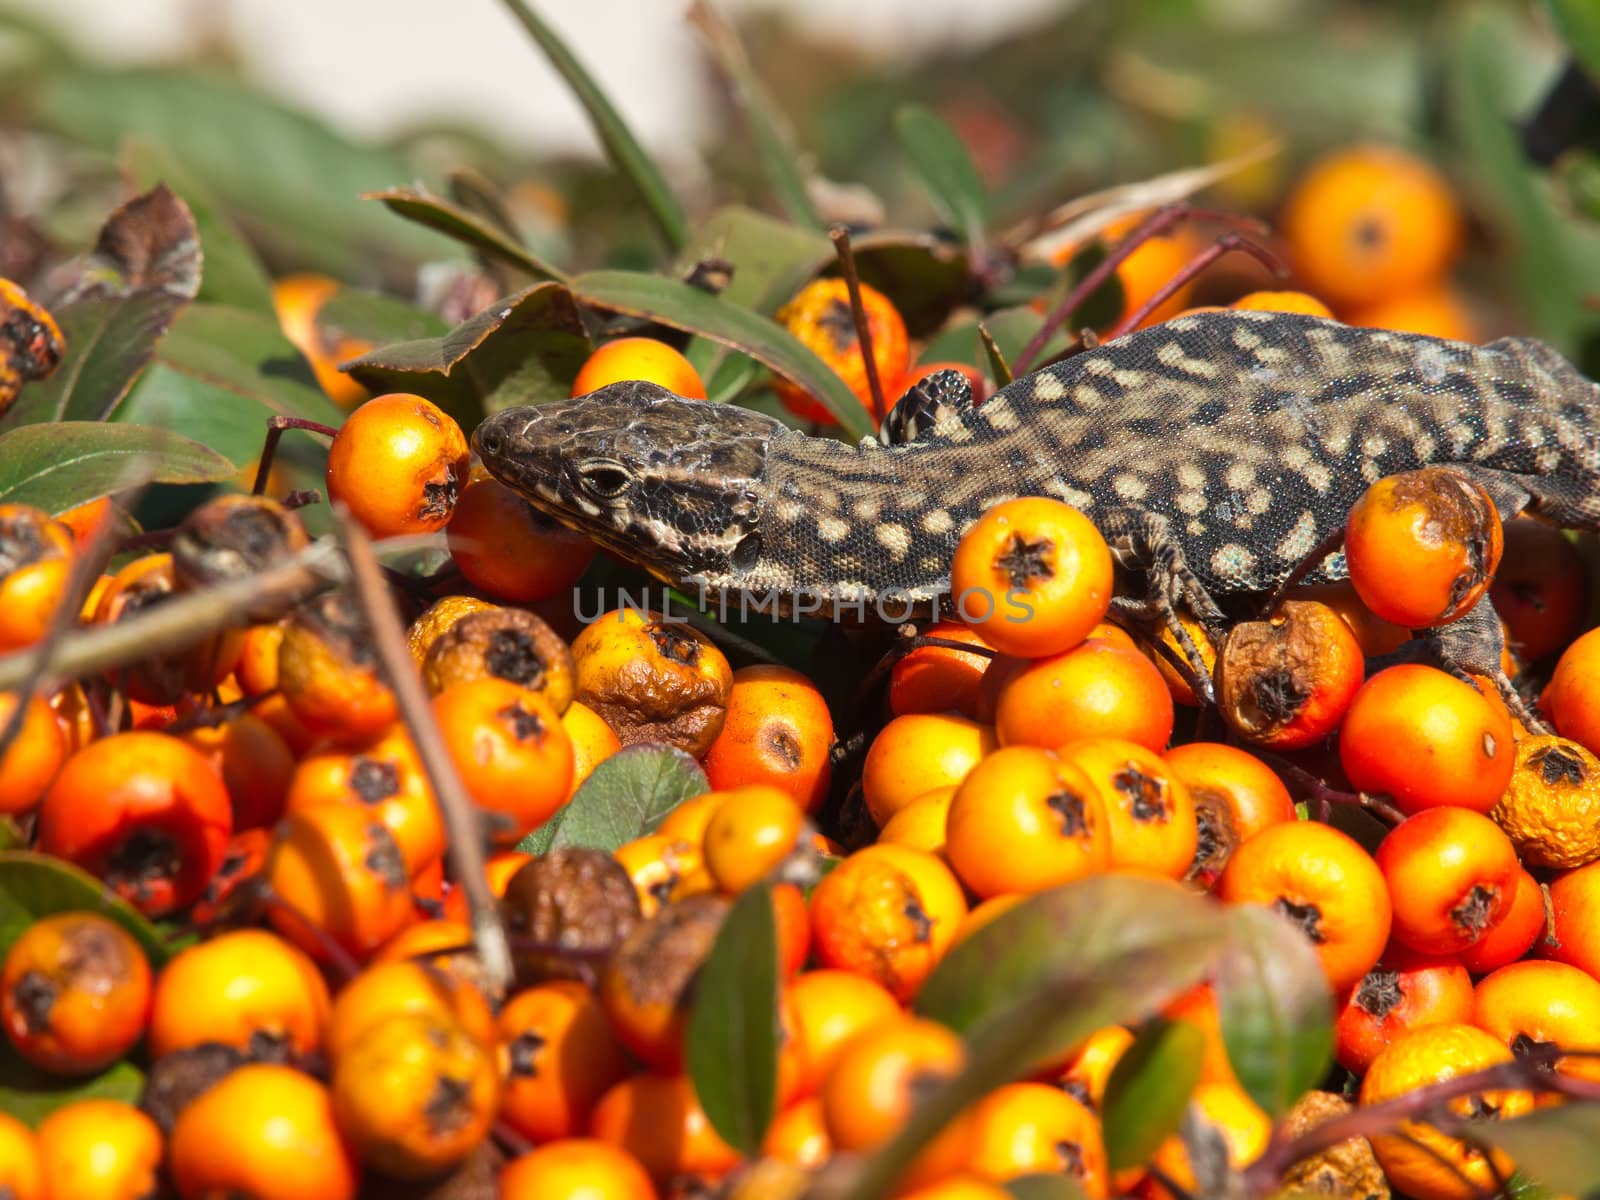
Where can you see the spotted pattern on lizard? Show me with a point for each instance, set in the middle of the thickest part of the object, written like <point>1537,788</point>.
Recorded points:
<point>1213,451</point>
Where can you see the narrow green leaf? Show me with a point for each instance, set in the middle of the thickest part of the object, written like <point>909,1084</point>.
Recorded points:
<point>468,228</point>
<point>36,885</point>
<point>999,368</point>
<point>1276,1009</point>
<point>1558,1147</point>
<point>774,139</point>
<point>66,463</point>
<point>218,374</point>
<point>114,307</point>
<point>1578,22</point>
<point>30,1095</point>
<point>1149,1090</point>
<point>626,797</point>
<point>733,1033</point>
<point>1043,976</point>
<point>624,149</point>
<point>232,274</point>
<point>941,162</point>
<point>524,349</point>
<point>677,304</point>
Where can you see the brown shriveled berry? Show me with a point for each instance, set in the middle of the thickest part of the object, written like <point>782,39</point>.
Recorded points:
<point>328,670</point>
<point>31,344</point>
<point>1423,546</point>
<point>1348,1168</point>
<point>436,621</point>
<point>232,537</point>
<point>567,910</point>
<point>506,643</point>
<point>648,984</point>
<point>177,1078</point>
<point>1285,682</point>
<point>1551,808</point>
<point>653,679</point>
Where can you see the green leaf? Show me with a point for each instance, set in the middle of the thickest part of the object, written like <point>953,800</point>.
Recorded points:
<point>1011,329</point>
<point>999,368</point>
<point>774,139</point>
<point>462,225</point>
<point>116,304</point>
<point>623,148</point>
<point>30,1095</point>
<point>941,162</point>
<point>1044,1187</point>
<point>218,374</point>
<point>1578,23</point>
<point>1542,257</point>
<point>1276,1009</point>
<point>771,259</point>
<point>294,184</point>
<point>626,797</point>
<point>36,885</point>
<point>232,272</point>
<point>66,463</point>
<point>524,349</point>
<point>682,306</point>
<point>1044,975</point>
<point>1558,1147</point>
<point>1149,1090</point>
<point>376,318</point>
<point>733,1033</point>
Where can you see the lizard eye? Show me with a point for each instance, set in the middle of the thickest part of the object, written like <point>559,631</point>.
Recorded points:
<point>606,480</point>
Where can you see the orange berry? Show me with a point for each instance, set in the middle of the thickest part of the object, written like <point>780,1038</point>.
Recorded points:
<point>575,1168</point>
<point>95,1149</point>
<point>629,358</point>
<point>1451,873</point>
<point>1530,1005</point>
<point>915,753</point>
<point>1324,882</point>
<point>922,824</point>
<point>1423,546</point>
<point>819,315</point>
<point>1025,820</point>
<point>1033,1128</point>
<point>398,464</point>
<point>388,989</point>
<point>593,741</point>
<point>1573,936</point>
<point>563,1056</point>
<point>74,993</point>
<point>1096,689</point>
<point>1289,302</point>
<point>889,913</point>
<point>1572,697</point>
<point>798,1135</point>
<point>1404,991</point>
<point>934,679</point>
<point>1514,934</point>
<point>255,763</point>
<point>264,1131</point>
<point>32,760</point>
<point>1252,792</point>
<point>658,1120</point>
<point>297,300</point>
<point>646,985</point>
<point>1150,813</point>
<point>754,830</point>
<point>1370,221</point>
<point>36,557</point>
<point>507,549</point>
<point>777,732</point>
<point>1033,576</point>
<point>1426,738</point>
<point>827,1008</point>
<point>21,1177</point>
<point>1089,1069</point>
<point>1540,590</point>
<point>1230,1116</point>
<point>1435,310</point>
<point>328,673</point>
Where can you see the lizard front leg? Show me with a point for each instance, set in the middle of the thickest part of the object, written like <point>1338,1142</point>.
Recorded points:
<point>1144,548</point>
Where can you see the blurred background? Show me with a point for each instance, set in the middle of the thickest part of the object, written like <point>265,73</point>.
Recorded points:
<point>286,113</point>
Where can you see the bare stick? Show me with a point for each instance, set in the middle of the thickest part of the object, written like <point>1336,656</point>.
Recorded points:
<point>465,850</point>
<point>852,282</point>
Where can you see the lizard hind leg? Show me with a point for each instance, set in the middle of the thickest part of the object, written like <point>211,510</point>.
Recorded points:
<point>1144,549</point>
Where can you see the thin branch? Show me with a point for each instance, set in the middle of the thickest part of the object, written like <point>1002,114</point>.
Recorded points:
<point>465,850</point>
<point>1226,244</point>
<point>269,444</point>
<point>852,281</point>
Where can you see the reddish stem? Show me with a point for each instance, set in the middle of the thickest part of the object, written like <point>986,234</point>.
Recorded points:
<point>269,444</point>
<point>1154,225</point>
<point>1225,244</point>
<point>858,312</point>
<point>339,958</point>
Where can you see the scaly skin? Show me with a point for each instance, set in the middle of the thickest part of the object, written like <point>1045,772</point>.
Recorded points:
<point>1215,452</point>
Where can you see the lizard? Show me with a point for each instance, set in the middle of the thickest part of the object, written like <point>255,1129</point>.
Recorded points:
<point>1216,452</point>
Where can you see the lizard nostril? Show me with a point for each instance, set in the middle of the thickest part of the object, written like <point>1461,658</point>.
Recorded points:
<point>490,441</point>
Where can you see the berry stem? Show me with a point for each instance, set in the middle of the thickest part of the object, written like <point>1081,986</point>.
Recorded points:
<point>1225,244</point>
<point>269,444</point>
<point>465,851</point>
<point>840,237</point>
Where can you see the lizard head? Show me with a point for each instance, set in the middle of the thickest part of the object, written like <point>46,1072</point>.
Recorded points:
<point>671,484</point>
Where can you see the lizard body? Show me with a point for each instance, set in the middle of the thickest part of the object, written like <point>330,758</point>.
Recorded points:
<point>1214,451</point>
